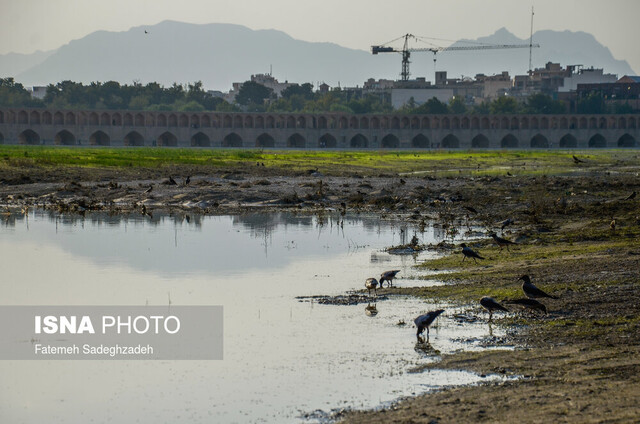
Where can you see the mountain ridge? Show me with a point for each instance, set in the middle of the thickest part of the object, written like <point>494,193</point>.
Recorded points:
<point>219,54</point>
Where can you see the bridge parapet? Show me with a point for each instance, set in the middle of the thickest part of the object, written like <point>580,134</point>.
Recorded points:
<point>315,131</point>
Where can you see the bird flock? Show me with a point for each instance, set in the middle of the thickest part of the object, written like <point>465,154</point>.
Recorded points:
<point>529,302</point>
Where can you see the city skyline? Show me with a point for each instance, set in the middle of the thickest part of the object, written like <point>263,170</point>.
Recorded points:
<point>47,25</point>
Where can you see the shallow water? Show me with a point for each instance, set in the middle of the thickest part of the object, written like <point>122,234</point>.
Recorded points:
<point>282,358</point>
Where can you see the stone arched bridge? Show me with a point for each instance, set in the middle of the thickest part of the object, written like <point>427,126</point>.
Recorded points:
<point>313,131</point>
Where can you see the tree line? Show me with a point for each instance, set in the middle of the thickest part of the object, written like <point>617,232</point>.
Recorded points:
<point>255,97</point>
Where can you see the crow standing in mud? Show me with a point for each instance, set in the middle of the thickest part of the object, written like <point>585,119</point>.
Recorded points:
<point>490,304</point>
<point>372,283</point>
<point>531,291</point>
<point>501,241</point>
<point>388,276</point>
<point>424,321</point>
<point>469,253</point>
<point>528,304</point>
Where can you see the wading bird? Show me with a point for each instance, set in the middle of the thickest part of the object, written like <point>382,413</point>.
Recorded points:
<point>424,321</point>
<point>491,305</point>
<point>531,291</point>
<point>388,276</point>
<point>469,253</point>
<point>372,283</point>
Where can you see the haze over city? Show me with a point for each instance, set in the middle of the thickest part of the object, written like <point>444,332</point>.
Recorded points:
<point>45,25</point>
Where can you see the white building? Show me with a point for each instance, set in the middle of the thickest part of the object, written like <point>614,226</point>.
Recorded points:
<point>38,92</point>
<point>586,76</point>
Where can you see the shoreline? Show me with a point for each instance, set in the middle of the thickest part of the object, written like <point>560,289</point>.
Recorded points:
<point>577,231</point>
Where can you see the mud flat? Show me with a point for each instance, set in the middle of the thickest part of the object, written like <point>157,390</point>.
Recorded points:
<point>576,225</point>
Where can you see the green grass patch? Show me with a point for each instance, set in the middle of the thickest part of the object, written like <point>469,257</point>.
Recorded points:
<point>428,163</point>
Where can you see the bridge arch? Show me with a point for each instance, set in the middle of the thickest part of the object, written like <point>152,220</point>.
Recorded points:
<point>23,117</point>
<point>327,141</point>
<point>627,140</point>
<point>480,141</point>
<point>200,140</point>
<point>167,139</point>
<point>133,139</point>
<point>598,141</point>
<point>1,117</point>
<point>34,118</point>
<point>1,138</point>
<point>64,138</point>
<point>390,141</point>
<point>568,141</point>
<point>183,120</point>
<point>297,141</point>
<point>359,141</point>
<point>58,118</point>
<point>173,120</point>
<point>421,142</point>
<point>99,138</point>
<point>509,141</point>
<point>232,140</point>
<point>265,140</point>
<point>450,142</point>
<point>539,142</point>
<point>29,137</point>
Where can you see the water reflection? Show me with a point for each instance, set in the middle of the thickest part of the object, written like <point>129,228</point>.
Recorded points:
<point>282,356</point>
<point>371,310</point>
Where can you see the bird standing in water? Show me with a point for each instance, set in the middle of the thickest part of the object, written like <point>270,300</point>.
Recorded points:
<point>424,321</point>
<point>372,283</point>
<point>469,253</point>
<point>388,276</point>
<point>491,304</point>
<point>531,291</point>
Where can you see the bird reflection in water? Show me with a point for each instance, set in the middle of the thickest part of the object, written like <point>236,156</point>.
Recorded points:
<point>371,310</point>
<point>423,347</point>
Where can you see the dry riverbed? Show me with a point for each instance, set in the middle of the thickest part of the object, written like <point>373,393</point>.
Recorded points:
<point>578,363</point>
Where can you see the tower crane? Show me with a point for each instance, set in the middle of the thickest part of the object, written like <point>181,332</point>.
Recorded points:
<point>406,50</point>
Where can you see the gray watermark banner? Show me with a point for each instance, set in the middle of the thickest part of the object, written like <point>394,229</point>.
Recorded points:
<point>111,332</point>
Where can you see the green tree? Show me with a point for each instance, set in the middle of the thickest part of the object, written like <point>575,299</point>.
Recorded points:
<point>593,103</point>
<point>482,108</point>
<point>305,91</point>
<point>504,105</point>
<point>138,102</point>
<point>252,93</point>
<point>432,106</point>
<point>542,103</point>
<point>622,108</point>
<point>14,94</point>
<point>456,105</point>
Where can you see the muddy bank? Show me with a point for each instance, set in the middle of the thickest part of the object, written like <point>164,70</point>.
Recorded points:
<point>577,235</point>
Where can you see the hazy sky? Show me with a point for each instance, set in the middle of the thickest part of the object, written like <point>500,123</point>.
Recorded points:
<point>29,25</point>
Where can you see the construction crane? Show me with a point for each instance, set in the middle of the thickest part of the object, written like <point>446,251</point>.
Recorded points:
<point>406,50</point>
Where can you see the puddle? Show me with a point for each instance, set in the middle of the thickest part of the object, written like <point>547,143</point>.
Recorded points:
<point>283,358</point>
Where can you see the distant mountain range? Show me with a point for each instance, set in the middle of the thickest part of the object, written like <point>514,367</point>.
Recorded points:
<point>220,54</point>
